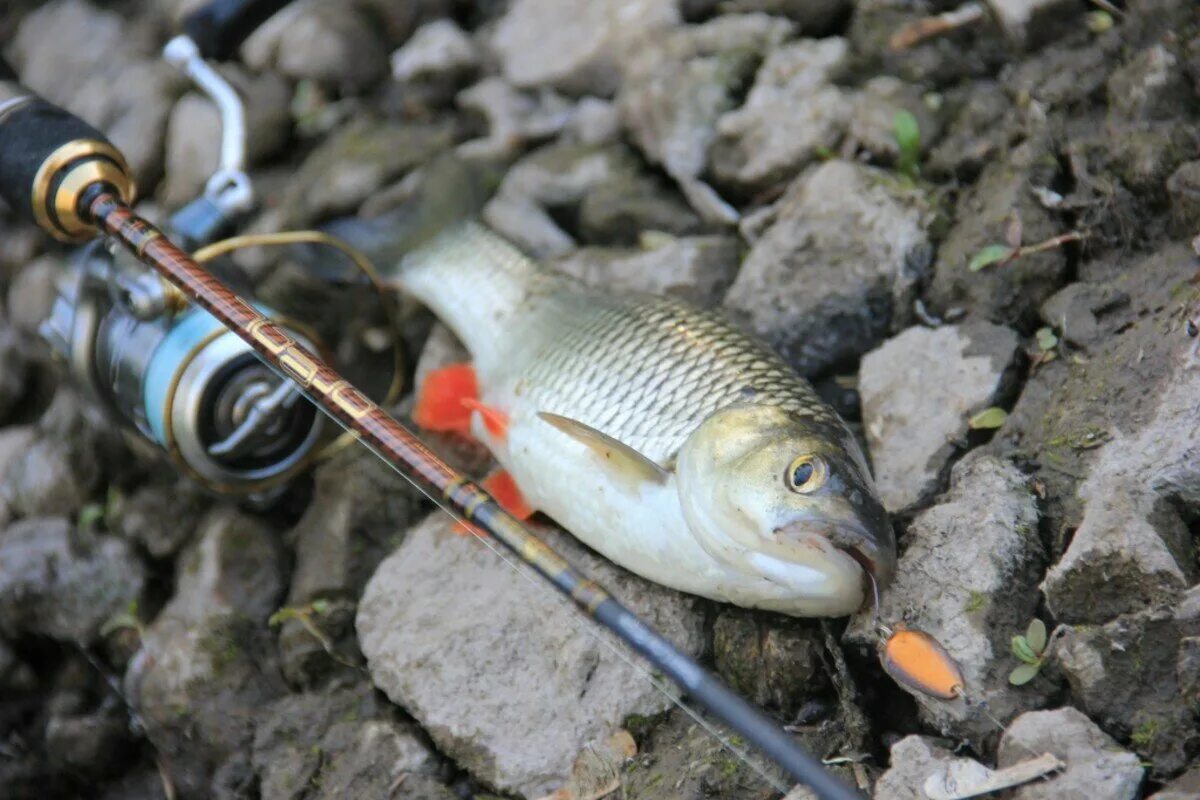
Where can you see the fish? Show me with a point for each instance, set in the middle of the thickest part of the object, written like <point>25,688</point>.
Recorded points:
<point>657,433</point>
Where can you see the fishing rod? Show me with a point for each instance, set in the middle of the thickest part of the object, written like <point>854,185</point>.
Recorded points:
<point>64,175</point>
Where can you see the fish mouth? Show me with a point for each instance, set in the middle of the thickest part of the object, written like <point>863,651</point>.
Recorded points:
<point>877,569</point>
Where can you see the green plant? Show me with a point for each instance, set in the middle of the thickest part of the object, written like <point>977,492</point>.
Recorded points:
<point>1031,650</point>
<point>988,419</point>
<point>908,140</point>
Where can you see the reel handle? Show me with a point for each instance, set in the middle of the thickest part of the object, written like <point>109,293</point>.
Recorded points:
<point>49,158</point>
<point>221,26</point>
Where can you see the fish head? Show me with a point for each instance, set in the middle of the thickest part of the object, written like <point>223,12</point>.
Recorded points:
<point>788,498</point>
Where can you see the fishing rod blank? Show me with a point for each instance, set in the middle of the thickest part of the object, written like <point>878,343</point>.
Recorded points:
<point>63,174</point>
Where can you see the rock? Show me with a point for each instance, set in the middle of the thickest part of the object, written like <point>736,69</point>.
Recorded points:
<point>697,268</point>
<point>358,515</point>
<point>94,744</point>
<point>773,662</point>
<point>64,584</point>
<point>160,517</point>
<point>674,95</point>
<point>1097,768</point>
<point>594,121</point>
<point>1009,294</point>
<point>513,118</point>
<point>578,46</point>
<point>872,123</point>
<point>32,291</point>
<point>353,163</point>
<point>1075,311</point>
<point>968,578</point>
<point>437,52</point>
<point>330,42</point>
<point>194,132</point>
<point>1060,77</point>
<point>1033,22</point>
<point>598,183</point>
<point>914,429</point>
<point>207,663</point>
<point>342,743</point>
<point>1127,676</point>
<point>982,128</point>
<point>449,632</point>
<point>812,17</point>
<point>1149,86</point>
<point>913,760</point>
<point>1185,787</point>
<point>838,264</point>
<point>1130,551</point>
<point>73,447</point>
<point>792,114</point>
<point>14,371</point>
<point>1184,189</point>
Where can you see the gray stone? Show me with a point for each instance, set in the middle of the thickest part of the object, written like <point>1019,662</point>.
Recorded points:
<point>915,427</point>
<point>513,118</point>
<point>1130,550</point>
<point>1033,22</point>
<point>1183,187</point>
<point>1130,676</point>
<point>437,51</point>
<point>1185,787</point>
<point>578,46</point>
<point>57,583</point>
<point>32,291</point>
<point>594,121</point>
<point>94,744</point>
<point>358,160</point>
<point>606,185</point>
<point>194,132</point>
<point>872,124</point>
<point>913,759</point>
<point>331,42</point>
<point>980,129</point>
<point>1074,311</point>
<point>161,517</point>
<point>1150,86</point>
<point>449,633</point>
<point>14,371</point>
<point>1097,767</point>
<point>792,114</point>
<point>343,743</point>
<point>1009,293</point>
<point>697,268</point>
<point>812,17</point>
<point>207,663</point>
<point>840,260</point>
<point>675,94</point>
<point>968,578</point>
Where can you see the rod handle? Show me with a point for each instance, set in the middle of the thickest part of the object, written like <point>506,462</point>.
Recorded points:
<point>50,158</point>
<point>220,27</point>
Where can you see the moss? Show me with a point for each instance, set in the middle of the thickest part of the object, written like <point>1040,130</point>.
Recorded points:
<point>1145,735</point>
<point>976,601</point>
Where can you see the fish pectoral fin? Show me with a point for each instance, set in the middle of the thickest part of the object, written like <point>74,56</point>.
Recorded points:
<point>443,398</point>
<point>619,457</point>
<point>500,485</point>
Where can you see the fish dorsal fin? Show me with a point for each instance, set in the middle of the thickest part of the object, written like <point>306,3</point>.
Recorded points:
<point>618,456</point>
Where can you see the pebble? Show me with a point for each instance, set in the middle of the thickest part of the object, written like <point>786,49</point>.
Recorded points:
<point>495,671</point>
<point>1097,767</point>
<point>839,261</point>
<point>915,428</point>
<point>913,759</point>
<point>14,371</point>
<point>577,46</point>
<point>64,584</point>
<point>437,51</point>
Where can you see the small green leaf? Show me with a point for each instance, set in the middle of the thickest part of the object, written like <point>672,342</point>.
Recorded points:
<point>1023,674</point>
<point>1035,636</point>
<point>908,141</point>
<point>1022,650</point>
<point>1099,21</point>
<point>1046,340</point>
<point>320,606</point>
<point>989,255</point>
<point>988,419</point>
<point>90,514</point>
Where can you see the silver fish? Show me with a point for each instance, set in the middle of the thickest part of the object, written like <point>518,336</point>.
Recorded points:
<point>659,434</point>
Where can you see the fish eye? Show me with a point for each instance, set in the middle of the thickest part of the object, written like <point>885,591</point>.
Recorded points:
<point>806,474</point>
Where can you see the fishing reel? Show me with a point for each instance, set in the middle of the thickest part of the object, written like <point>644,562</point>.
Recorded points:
<point>180,380</point>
